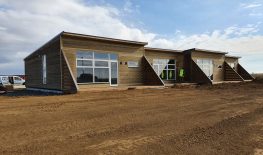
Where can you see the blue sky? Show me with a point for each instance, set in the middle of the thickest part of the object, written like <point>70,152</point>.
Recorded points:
<point>233,26</point>
<point>189,16</point>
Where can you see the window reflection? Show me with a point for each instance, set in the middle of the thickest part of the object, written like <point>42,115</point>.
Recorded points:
<point>94,67</point>
<point>165,68</point>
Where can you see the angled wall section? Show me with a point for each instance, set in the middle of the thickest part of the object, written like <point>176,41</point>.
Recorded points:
<point>197,75</point>
<point>230,74</point>
<point>243,73</point>
<point>33,66</point>
<point>149,75</point>
<point>69,84</point>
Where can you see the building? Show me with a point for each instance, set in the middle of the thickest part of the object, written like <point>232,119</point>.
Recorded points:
<point>70,62</point>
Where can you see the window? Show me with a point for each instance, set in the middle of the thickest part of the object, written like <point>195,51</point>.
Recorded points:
<point>165,68</point>
<point>133,64</point>
<point>85,55</point>
<point>85,75</point>
<point>114,73</point>
<point>206,66</point>
<point>84,62</point>
<point>101,74</point>
<point>113,56</point>
<point>44,69</point>
<point>101,56</point>
<point>101,63</point>
<point>232,65</point>
<point>93,67</point>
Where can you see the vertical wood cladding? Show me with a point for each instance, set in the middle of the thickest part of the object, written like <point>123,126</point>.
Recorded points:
<point>218,63</point>
<point>33,67</point>
<point>243,73</point>
<point>150,76</point>
<point>231,74</point>
<point>126,52</point>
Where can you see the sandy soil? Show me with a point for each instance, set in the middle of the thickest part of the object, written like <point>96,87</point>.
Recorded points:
<point>222,119</point>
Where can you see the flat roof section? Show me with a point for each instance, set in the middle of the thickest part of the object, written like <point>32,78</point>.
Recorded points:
<point>104,38</point>
<point>208,51</point>
<point>162,50</point>
<point>231,56</point>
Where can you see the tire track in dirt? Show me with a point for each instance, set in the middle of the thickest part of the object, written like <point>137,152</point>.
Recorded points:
<point>193,137</point>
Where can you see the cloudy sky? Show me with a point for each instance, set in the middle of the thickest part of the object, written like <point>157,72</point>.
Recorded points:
<point>234,26</point>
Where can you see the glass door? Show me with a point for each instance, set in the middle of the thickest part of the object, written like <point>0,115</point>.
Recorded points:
<point>113,73</point>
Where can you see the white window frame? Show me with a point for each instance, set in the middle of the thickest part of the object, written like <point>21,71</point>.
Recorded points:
<point>159,71</point>
<point>94,67</point>
<point>202,66</point>
<point>44,69</point>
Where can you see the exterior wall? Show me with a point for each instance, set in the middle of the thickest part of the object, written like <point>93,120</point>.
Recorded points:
<point>231,74</point>
<point>179,57</point>
<point>126,52</point>
<point>33,67</point>
<point>218,60</point>
<point>232,60</point>
<point>150,76</point>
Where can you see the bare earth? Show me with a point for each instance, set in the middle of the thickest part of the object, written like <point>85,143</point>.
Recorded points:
<point>223,119</point>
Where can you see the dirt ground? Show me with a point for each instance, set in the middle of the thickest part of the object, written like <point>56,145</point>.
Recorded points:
<point>221,119</point>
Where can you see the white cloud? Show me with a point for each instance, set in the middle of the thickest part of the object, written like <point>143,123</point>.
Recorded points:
<point>129,7</point>
<point>256,14</point>
<point>249,6</point>
<point>240,41</point>
<point>26,25</point>
<point>234,39</point>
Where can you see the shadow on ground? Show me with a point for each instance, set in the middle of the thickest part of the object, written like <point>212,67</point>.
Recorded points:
<point>21,93</point>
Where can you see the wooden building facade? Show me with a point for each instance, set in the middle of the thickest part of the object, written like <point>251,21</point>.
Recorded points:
<point>70,62</point>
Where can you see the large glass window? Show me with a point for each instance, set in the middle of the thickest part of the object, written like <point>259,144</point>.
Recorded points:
<point>101,74</point>
<point>102,56</point>
<point>101,63</point>
<point>113,56</point>
<point>85,75</point>
<point>85,55</point>
<point>165,68</point>
<point>84,62</point>
<point>93,67</point>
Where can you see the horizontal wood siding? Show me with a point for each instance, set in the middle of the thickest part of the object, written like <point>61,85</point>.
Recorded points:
<point>243,73</point>
<point>33,67</point>
<point>231,74</point>
<point>218,60</point>
<point>126,52</point>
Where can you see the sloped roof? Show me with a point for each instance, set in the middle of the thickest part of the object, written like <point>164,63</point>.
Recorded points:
<point>162,50</point>
<point>209,51</point>
<point>103,38</point>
